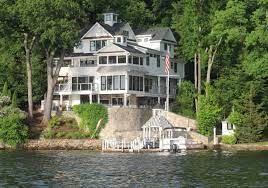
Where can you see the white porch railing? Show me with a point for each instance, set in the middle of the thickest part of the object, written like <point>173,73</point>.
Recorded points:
<point>75,87</point>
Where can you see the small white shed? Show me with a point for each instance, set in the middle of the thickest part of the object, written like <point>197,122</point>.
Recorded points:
<point>227,128</point>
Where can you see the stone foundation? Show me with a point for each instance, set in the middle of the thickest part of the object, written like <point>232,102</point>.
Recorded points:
<point>59,144</point>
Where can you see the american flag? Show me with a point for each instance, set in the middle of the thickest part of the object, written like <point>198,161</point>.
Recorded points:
<point>167,62</point>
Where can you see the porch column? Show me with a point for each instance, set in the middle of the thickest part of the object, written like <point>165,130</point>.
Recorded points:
<point>90,98</point>
<point>126,82</point>
<point>125,99</point>
<point>98,98</point>
<point>158,83</point>
<point>149,133</point>
<point>61,100</point>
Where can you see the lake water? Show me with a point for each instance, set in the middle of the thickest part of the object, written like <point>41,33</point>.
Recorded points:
<point>96,169</point>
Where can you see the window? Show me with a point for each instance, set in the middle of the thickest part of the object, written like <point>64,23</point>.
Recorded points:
<point>86,62</point>
<point>172,65</point>
<point>121,59</point>
<point>229,126</point>
<point>158,60</point>
<point>140,83</point>
<point>135,83</point>
<point>148,84</point>
<point>118,39</point>
<point>165,46</point>
<point>92,45</point>
<point>109,83</point>
<point>130,83</point>
<point>151,55</point>
<point>175,67</point>
<point>114,17</point>
<point>147,60</point>
<point>97,44</point>
<point>117,101</point>
<point>80,45</point>
<point>125,39</point>
<point>103,60</point>
<point>135,60</point>
<point>141,60</point>
<point>130,59</point>
<point>82,83</point>
<point>146,40</point>
<point>108,17</point>
<point>104,43</point>
<point>67,63</point>
<point>112,59</point>
<point>125,33</point>
<point>116,82</point>
<point>122,82</point>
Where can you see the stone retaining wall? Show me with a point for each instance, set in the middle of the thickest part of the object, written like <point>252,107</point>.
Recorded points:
<point>243,147</point>
<point>59,144</point>
<point>125,120</point>
<point>179,121</point>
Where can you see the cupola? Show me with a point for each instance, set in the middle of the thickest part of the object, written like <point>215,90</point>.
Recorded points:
<point>110,18</point>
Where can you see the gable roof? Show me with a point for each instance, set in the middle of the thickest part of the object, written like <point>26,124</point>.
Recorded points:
<point>158,121</point>
<point>117,47</point>
<point>116,29</point>
<point>129,49</point>
<point>156,33</point>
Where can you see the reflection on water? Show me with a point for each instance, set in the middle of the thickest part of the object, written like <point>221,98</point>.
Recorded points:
<point>93,169</point>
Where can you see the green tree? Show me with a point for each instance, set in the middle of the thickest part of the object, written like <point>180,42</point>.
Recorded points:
<point>249,118</point>
<point>5,91</point>
<point>14,100</point>
<point>185,99</point>
<point>208,114</point>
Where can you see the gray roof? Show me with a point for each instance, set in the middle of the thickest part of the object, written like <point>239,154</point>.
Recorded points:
<point>78,54</point>
<point>129,49</point>
<point>116,29</point>
<point>158,121</point>
<point>157,33</point>
<point>121,68</point>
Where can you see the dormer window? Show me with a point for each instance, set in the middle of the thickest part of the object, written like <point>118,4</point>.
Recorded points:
<point>125,39</point>
<point>125,33</point>
<point>118,39</point>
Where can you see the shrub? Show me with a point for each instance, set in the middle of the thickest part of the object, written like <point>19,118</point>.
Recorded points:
<point>49,134</point>
<point>208,115</point>
<point>61,134</point>
<point>76,135</point>
<point>12,128</point>
<point>70,122</point>
<point>14,100</point>
<point>90,115</point>
<point>228,139</point>
<point>55,122</point>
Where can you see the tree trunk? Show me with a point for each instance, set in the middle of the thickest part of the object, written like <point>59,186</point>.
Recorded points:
<point>199,73</point>
<point>211,57</point>
<point>52,77</point>
<point>195,79</point>
<point>28,51</point>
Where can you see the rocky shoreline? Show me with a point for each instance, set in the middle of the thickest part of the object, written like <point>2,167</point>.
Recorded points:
<point>58,144</point>
<point>95,144</point>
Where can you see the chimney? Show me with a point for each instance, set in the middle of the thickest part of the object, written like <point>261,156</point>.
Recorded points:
<point>110,18</point>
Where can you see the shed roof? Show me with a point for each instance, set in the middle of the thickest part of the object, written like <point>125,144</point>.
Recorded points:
<point>158,121</point>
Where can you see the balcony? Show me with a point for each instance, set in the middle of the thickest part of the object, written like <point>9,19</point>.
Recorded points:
<point>80,88</point>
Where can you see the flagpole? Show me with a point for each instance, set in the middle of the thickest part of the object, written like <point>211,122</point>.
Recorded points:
<point>167,99</point>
